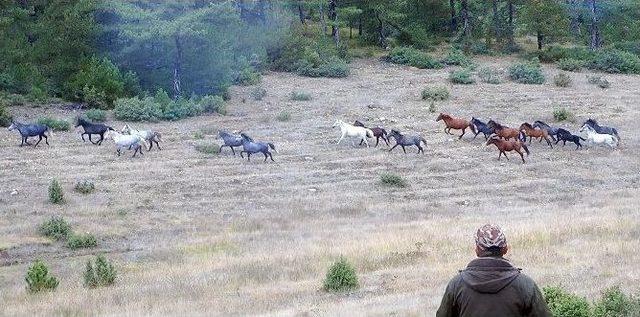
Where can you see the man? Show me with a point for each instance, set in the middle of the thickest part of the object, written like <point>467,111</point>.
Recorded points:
<point>490,285</point>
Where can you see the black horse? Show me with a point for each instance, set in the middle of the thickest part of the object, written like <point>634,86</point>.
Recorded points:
<point>377,132</point>
<point>551,131</point>
<point>92,128</point>
<point>250,147</point>
<point>564,136</point>
<point>601,129</point>
<point>29,130</point>
<point>407,140</point>
<point>231,140</point>
<point>481,127</point>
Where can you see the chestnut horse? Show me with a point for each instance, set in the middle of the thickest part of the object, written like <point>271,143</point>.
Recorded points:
<point>455,123</point>
<point>502,131</point>
<point>532,132</point>
<point>505,146</point>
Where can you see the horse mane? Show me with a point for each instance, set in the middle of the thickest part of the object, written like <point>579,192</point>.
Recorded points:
<point>496,124</point>
<point>445,115</point>
<point>246,137</point>
<point>526,124</point>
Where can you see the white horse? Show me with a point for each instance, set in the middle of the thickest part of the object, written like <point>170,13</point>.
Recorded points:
<point>148,135</point>
<point>127,141</point>
<point>348,130</point>
<point>596,138</point>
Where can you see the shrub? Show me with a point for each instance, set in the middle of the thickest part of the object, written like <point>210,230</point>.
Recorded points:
<point>413,57</point>
<point>181,108</point>
<point>208,148</point>
<point>5,117</point>
<point>96,115</point>
<point>562,114</point>
<point>98,82</point>
<point>100,273</point>
<point>526,73</point>
<point>628,46</point>
<point>563,304</point>
<point>333,67</point>
<point>571,64</point>
<point>38,278</point>
<point>562,80</point>
<point>490,76</point>
<point>436,93</point>
<point>615,61</point>
<point>78,241</point>
<point>457,57</point>
<point>480,48</point>
<point>599,81</point>
<point>94,97</point>
<point>213,104</point>
<point>136,109</point>
<point>283,116</point>
<point>258,93</point>
<point>55,124</point>
<point>247,76</point>
<point>392,180</point>
<point>300,96</point>
<point>555,53</point>
<point>615,303</point>
<point>55,228</point>
<point>56,195</point>
<point>461,76</point>
<point>341,277</point>
<point>84,187</point>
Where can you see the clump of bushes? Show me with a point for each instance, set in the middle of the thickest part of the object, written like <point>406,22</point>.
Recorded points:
<point>563,304</point>
<point>84,187</point>
<point>99,273</point>
<point>96,115</point>
<point>461,76</point>
<point>599,81</point>
<point>283,116</point>
<point>55,124</point>
<point>313,57</point>
<point>457,57</point>
<point>562,114</point>
<point>341,277</point>
<point>613,302</point>
<point>413,57</point>
<point>392,180</point>
<point>162,107</point>
<point>78,241</point>
<point>56,195</point>
<point>137,109</point>
<point>555,53</point>
<point>38,278</point>
<point>571,64</point>
<point>562,80</point>
<point>247,76</point>
<point>436,93</point>
<point>615,61</point>
<point>527,73</point>
<point>332,67</point>
<point>300,96</point>
<point>208,148</point>
<point>258,93</point>
<point>213,104</point>
<point>490,76</point>
<point>5,117</point>
<point>55,228</point>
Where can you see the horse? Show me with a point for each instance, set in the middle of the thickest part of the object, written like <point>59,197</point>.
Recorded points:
<point>377,132</point>
<point>127,141</point>
<point>249,146</point>
<point>531,132</point>
<point>564,136</point>
<point>353,131</point>
<point>407,140</point>
<point>601,129</point>
<point>502,131</point>
<point>594,137</point>
<point>551,131</point>
<point>505,146</point>
<point>231,140</point>
<point>92,128</point>
<point>29,130</point>
<point>481,127</point>
<point>455,123</point>
<point>148,135</point>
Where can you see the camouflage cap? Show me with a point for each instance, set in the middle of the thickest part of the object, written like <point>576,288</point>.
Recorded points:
<point>490,236</point>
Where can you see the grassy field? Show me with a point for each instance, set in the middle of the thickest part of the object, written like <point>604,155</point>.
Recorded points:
<point>217,235</point>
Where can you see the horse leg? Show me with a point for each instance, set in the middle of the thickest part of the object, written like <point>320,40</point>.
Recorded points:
<point>463,132</point>
<point>521,156</point>
<point>564,142</point>
<point>377,140</point>
<point>403,149</point>
<point>39,139</point>
<point>505,155</point>
<point>101,138</point>
<point>150,146</point>
<point>361,142</point>
<point>420,149</point>
<point>118,151</point>
<point>249,156</point>
<point>265,156</point>
<point>548,142</point>
<point>82,136</point>
<point>157,145</point>
<point>530,137</point>
<point>240,153</point>
<point>393,147</point>
<point>365,141</point>
<point>46,139</point>
<point>499,155</point>
<point>340,139</point>
<point>233,151</point>
<point>386,140</point>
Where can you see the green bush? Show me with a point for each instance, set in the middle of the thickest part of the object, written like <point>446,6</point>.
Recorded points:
<point>55,124</point>
<point>56,195</point>
<point>527,73</point>
<point>182,108</point>
<point>84,187</point>
<point>555,53</point>
<point>563,304</point>
<point>412,57</point>
<point>480,48</point>
<point>5,117</point>
<point>300,96</point>
<point>100,273</point>
<point>283,116</point>
<point>599,81</point>
<point>333,67</point>
<point>78,241</point>
<point>628,46</point>
<point>461,76</point>
<point>490,76</point>
<point>208,148</point>
<point>55,228</point>
<point>258,93</point>
<point>436,93</point>
<point>457,57</point>
<point>615,61</point>
<point>312,57</point>
<point>615,303</point>
<point>38,278</point>
<point>247,76</point>
<point>341,277</point>
<point>98,82</point>
<point>392,180</point>
<point>571,64</point>
<point>562,114</point>
<point>212,104</point>
<point>136,109</point>
<point>96,115</point>
<point>562,80</point>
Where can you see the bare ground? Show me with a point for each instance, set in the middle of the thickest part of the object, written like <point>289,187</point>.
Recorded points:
<point>217,235</point>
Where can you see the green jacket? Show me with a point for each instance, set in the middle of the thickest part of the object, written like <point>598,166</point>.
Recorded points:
<point>491,286</point>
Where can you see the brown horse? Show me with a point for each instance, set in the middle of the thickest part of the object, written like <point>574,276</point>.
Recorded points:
<point>455,123</point>
<point>378,132</point>
<point>502,131</point>
<point>505,146</point>
<point>532,132</point>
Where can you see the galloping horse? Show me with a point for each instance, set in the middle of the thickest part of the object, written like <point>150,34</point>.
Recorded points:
<point>127,141</point>
<point>601,129</point>
<point>231,140</point>
<point>594,137</point>
<point>353,131</point>
<point>455,123</point>
<point>505,146</point>
<point>481,127</point>
<point>502,131</point>
<point>250,147</point>
<point>149,135</point>
<point>407,140</point>
<point>377,132</point>
<point>552,131</point>
<point>92,128</point>
<point>564,136</point>
<point>531,132</point>
<point>29,130</point>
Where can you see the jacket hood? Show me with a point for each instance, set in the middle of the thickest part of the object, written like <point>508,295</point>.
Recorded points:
<point>489,274</point>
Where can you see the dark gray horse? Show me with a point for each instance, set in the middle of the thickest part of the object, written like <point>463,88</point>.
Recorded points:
<point>406,140</point>
<point>481,127</point>
<point>601,129</point>
<point>250,147</point>
<point>29,130</point>
<point>231,140</point>
<point>564,136</point>
<point>92,128</point>
<point>551,131</point>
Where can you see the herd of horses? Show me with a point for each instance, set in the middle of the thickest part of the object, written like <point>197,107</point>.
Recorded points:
<point>506,139</point>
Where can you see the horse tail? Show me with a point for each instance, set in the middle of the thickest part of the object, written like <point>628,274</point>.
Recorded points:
<point>110,128</point>
<point>526,149</point>
<point>581,138</point>
<point>273,147</point>
<point>615,132</point>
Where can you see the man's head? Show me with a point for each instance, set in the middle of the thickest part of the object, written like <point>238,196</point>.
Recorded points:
<point>490,241</point>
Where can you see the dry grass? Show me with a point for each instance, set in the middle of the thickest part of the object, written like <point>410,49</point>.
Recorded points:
<point>218,235</point>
